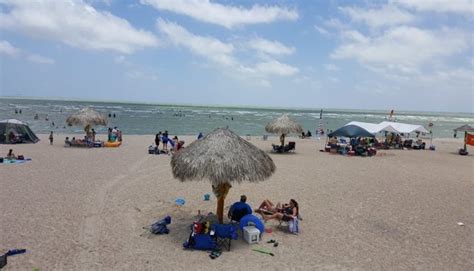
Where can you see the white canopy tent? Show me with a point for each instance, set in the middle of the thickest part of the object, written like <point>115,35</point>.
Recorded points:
<point>402,127</point>
<point>391,127</point>
<point>372,127</point>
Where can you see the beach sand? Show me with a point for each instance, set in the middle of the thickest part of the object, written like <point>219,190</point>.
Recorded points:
<point>85,209</point>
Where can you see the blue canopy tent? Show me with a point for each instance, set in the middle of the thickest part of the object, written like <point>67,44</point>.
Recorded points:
<point>351,131</point>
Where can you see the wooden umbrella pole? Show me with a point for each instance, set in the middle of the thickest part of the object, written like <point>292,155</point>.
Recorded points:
<point>465,140</point>
<point>220,202</point>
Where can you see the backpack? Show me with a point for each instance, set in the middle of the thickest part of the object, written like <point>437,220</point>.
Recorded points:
<point>159,227</point>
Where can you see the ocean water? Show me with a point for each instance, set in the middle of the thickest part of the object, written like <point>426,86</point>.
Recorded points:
<point>141,119</point>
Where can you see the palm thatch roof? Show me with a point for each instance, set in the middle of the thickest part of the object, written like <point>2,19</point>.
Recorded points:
<point>283,125</point>
<point>222,157</point>
<point>86,117</point>
<point>465,128</point>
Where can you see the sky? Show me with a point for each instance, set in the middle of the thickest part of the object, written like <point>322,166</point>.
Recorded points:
<point>394,54</point>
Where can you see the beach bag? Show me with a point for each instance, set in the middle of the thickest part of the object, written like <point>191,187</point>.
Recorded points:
<point>159,227</point>
<point>200,242</point>
<point>20,157</point>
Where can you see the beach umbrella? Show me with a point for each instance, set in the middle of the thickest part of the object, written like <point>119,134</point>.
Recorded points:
<point>86,117</point>
<point>283,125</point>
<point>465,128</point>
<point>351,131</point>
<point>224,158</point>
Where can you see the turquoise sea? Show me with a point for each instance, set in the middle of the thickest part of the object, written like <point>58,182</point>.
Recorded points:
<point>133,118</point>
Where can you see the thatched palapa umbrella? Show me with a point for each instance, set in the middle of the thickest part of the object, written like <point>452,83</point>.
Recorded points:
<point>283,125</point>
<point>223,157</point>
<point>86,117</point>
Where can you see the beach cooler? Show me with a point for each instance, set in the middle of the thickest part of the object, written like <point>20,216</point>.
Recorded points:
<point>251,234</point>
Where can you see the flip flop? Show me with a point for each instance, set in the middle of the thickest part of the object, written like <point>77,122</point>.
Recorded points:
<point>276,244</point>
<point>271,241</point>
<point>215,254</point>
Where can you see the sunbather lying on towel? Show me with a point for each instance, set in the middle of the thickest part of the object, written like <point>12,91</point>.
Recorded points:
<point>285,212</point>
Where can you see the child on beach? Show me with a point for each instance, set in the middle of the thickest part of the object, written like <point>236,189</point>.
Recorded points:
<point>51,138</point>
<point>10,155</point>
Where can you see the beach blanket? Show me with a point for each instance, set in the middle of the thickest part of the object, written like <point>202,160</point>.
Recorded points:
<point>8,161</point>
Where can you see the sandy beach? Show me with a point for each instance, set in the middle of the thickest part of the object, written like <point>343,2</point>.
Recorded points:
<point>85,209</point>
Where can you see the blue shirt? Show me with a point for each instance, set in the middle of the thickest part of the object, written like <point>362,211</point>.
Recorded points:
<point>239,206</point>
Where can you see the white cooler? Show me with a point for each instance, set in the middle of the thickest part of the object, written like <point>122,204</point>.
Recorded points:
<point>251,234</point>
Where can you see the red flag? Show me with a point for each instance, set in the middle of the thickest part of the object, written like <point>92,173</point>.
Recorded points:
<point>469,139</point>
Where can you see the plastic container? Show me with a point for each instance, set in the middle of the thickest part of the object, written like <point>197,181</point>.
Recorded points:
<point>251,235</point>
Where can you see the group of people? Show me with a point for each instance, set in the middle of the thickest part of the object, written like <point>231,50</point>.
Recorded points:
<point>284,212</point>
<point>113,134</point>
<point>163,139</point>
<point>307,135</point>
<point>363,146</point>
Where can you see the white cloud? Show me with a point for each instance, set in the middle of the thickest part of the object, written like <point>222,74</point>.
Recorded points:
<point>222,54</point>
<point>321,30</point>
<point>270,47</point>
<point>274,67</point>
<point>74,23</point>
<point>140,75</point>
<point>40,59</point>
<point>465,7</point>
<point>355,36</point>
<point>388,15</point>
<point>331,67</point>
<point>207,47</point>
<point>404,48</point>
<point>227,16</point>
<point>8,49</point>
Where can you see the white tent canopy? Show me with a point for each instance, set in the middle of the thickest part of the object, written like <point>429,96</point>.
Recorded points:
<point>403,127</point>
<point>373,128</point>
<point>393,127</point>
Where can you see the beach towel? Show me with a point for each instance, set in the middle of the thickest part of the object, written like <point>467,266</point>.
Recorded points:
<point>8,161</point>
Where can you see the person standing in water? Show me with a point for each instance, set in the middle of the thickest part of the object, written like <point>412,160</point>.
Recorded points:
<point>51,138</point>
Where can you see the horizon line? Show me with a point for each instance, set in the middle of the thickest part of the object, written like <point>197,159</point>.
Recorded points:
<point>213,105</point>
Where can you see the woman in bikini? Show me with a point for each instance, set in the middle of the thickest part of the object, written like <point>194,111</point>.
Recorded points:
<point>285,212</point>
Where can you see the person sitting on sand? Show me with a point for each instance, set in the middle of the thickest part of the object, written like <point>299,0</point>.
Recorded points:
<point>239,209</point>
<point>10,155</point>
<point>285,212</point>
<point>67,142</point>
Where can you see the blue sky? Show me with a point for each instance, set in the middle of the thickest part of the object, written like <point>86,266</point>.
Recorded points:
<point>401,54</point>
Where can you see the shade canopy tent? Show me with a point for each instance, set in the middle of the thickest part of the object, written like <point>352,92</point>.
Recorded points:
<point>373,128</point>
<point>351,131</point>
<point>20,132</point>
<point>224,158</point>
<point>402,128</point>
